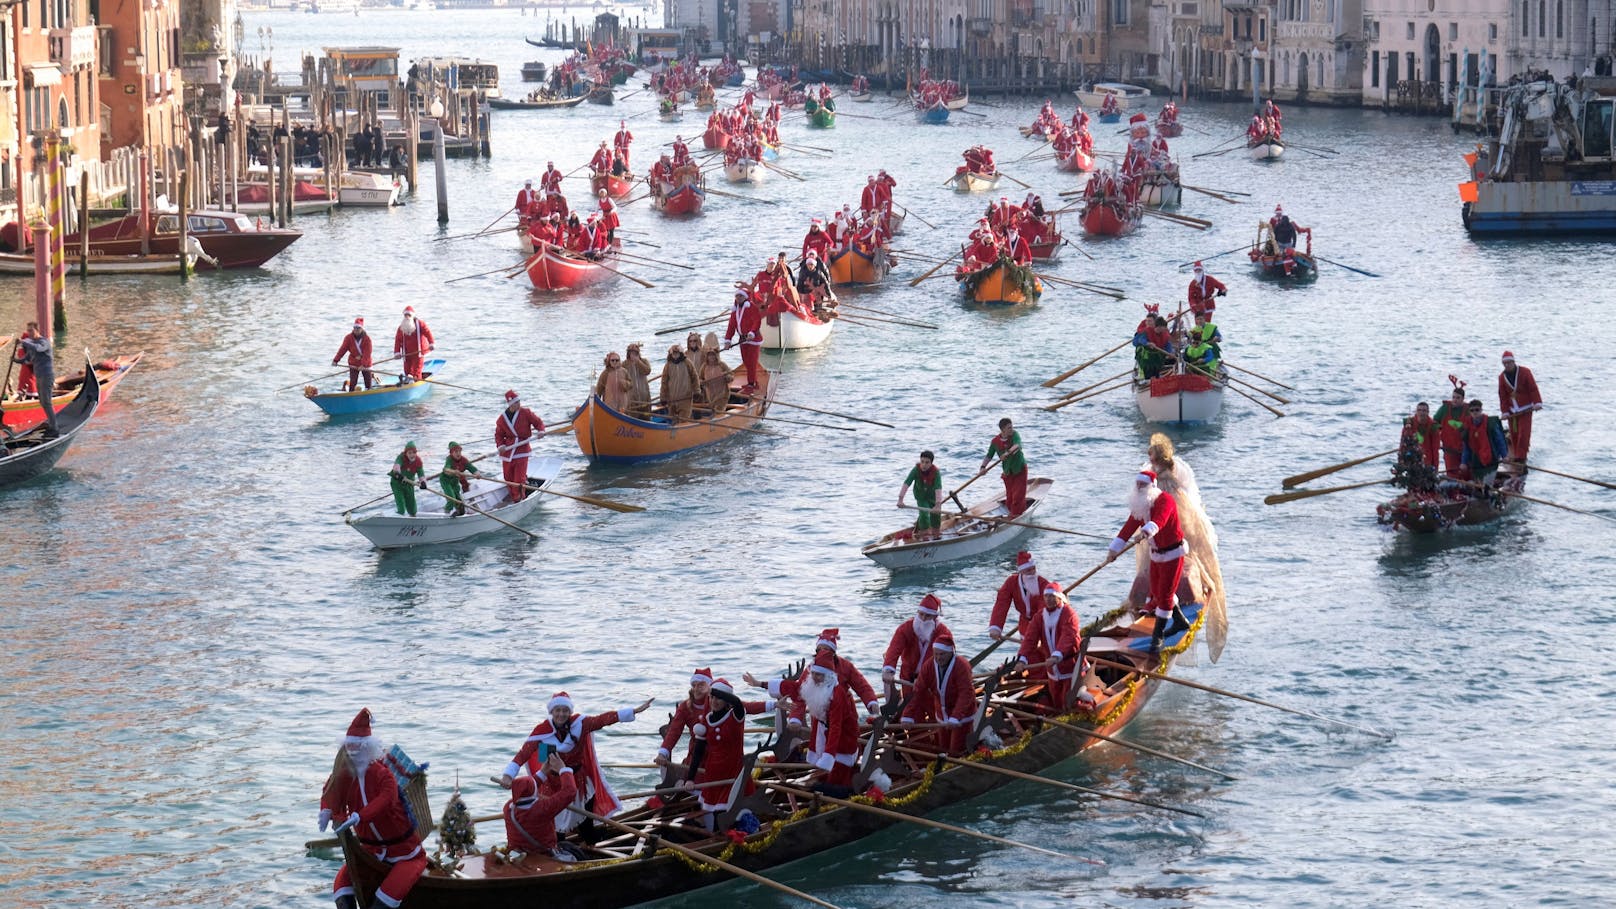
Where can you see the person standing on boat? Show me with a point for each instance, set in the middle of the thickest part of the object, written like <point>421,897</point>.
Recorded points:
<point>718,751</point>
<point>608,216</point>
<point>639,372</point>
<point>1450,419</point>
<point>1053,640</point>
<point>834,734</point>
<point>363,794</point>
<point>943,694</point>
<point>1285,231</point>
<point>1022,589</point>
<point>527,198</point>
<point>1156,513</point>
<point>412,341</point>
<point>1424,431</point>
<point>746,324</point>
<point>679,381</point>
<point>514,431</point>
<point>455,479</point>
<point>530,814</point>
<point>406,474</point>
<point>601,163</point>
<point>870,198</point>
<point>572,735</point>
<point>551,179</point>
<point>621,143</point>
<point>357,345</point>
<point>1518,398</point>
<point>614,386</point>
<point>1203,287</point>
<point>927,481</point>
<point>686,716</point>
<point>817,241</point>
<point>1006,447</point>
<point>911,645</point>
<point>37,356</point>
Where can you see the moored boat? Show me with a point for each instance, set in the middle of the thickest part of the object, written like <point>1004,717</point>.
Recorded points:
<point>383,394</point>
<point>790,331</point>
<point>532,103</point>
<point>1181,398</point>
<point>434,522</point>
<point>229,237</point>
<point>361,189</point>
<point>967,182</point>
<point>608,436</point>
<point>963,535</point>
<point>855,266</point>
<point>864,97</point>
<point>130,264</point>
<point>1453,503</point>
<point>1001,283</point>
<point>21,415</point>
<point>28,454</point>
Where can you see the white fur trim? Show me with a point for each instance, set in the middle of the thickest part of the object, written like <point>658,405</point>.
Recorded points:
<point>513,770</point>
<point>995,628</point>
<point>889,669</point>
<point>774,687</point>
<point>565,769</point>
<point>558,701</point>
<point>1150,528</point>
<point>663,752</point>
<point>1116,544</point>
<point>770,704</point>
<point>823,670</point>
<point>1177,552</point>
<point>625,715</point>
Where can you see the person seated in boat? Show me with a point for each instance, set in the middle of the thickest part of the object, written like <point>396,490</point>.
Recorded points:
<point>535,802</point>
<point>1484,442</point>
<point>363,794</point>
<point>1159,153</point>
<point>455,479</point>
<point>715,377</point>
<point>577,236</point>
<point>1108,105</point>
<point>614,386</point>
<point>1051,646</point>
<point>1202,356</point>
<point>407,473</point>
<point>679,381</point>
<point>1065,142</point>
<point>1206,332</point>
<point>985,163</point>
<point>596,242</point>
<point>1203,288</point>
<point>356,345</point>
<point>910,646</point>
<point>814,285</point>
<point>1016,248</point>
<point>571,736</point>
<point>527,199</point>
<point>413,341</point>
<point>1254,131</point>
<point>943,694</point>
<point>821,693</point>
<point>543,231</point>
<point>1154,512</point>
<point>1169,113</point>
<point>785,284</point>
<point>1422,430</point>
<point>984,247</point>
<point>927,480</point>
<point>1153,346</point>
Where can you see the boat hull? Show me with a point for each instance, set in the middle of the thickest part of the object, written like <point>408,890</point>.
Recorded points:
<point>853,266</point>
<point>365,400</point>
<point>822,119</point>
<point>21,416</point>
<point>1269,149</point>
<point>1169,130</point>
<point>1107,221</point>
<point>994,288</point>
<point>795,332</point>
<point>967,182</point>
<point>1541,207</point>
<point>25,458</point>
<point>1272,267</point>
<point>973,539</point>
<point>1428,514</point>
<point>548,269</point>
<point>686,200</point>
<point>136,264</point>
<point>936,116</point>
<point>1078,162</point>
<point>1182,400</point>
<point>745,170</point>
<point>607,436</point>
<point>615,186</point>
<point>432,525</point>
<point>1161,192</point>
<point>220,237</point>
<point>1048,250</point>
<point>715,139</point>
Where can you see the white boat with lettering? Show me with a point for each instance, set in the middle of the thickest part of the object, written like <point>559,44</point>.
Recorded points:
<point>963,535</point>
<point>434,524</point>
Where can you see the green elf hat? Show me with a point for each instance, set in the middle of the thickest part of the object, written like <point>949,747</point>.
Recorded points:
<point>453,445</point>
<point>408,445</point>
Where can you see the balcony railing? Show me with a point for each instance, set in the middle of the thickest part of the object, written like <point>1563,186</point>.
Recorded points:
<point>71,48</point>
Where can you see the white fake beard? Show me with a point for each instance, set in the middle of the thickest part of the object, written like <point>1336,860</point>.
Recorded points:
<point>816,696</point>
<point>408,325</point>
<point>1139,502</point>
<point>924,627</point>
<point>369,753</point>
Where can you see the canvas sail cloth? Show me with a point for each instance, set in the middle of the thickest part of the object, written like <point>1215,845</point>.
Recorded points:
<point>1203,578</point>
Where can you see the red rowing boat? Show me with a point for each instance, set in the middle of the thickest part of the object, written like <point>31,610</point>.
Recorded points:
<point>1078,162</point>
<point>1104,219</point>
<point>680,200</point>
<point>615,186</point>
<point>715,138</point>
<point>23,414</point>
<point>554,268</point>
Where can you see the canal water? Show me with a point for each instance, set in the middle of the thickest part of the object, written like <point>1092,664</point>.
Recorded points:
<point>191,626</point>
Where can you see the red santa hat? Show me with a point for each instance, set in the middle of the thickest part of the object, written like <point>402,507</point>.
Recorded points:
<point>1279,210</point>
<point>1509,356</point>
<point>359,729</point>
<point>1198,265</point>
<point>1024,561</point>
<point>1137,118</point>
<point>359,322</point>
<point>944,642</point>
<point>559,699</point>
<point>724,686</point>
<point>828,638</point>
<point>409,310</point>
<point>1146,476</point>
<point>511,397</point>
<point>824,662</point>
<point>930,605</point>
<point>701,675</point>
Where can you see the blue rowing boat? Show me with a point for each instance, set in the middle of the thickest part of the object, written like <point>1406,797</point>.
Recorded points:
<point>936,115</point>
<point>338,403</point>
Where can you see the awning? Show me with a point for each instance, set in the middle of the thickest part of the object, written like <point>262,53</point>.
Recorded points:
<point>42,74</point>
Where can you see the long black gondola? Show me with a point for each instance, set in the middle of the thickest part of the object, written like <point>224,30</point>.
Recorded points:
<point>507,104</point>
<point>29,454</point>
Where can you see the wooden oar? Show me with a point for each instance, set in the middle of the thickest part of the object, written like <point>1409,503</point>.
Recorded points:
<point>484,274</point>
<point>852,321</point>
<point>1186,220</point>
<point>1524,496</point>
<point>1035,151</point>
<point>831,413</point>
<point>343,372</point>
<point>625,274</point>
<point>1570,476</point>
<point>988,650</point>
<point>1051,383</point>
<point>998,520</point>
<point>481,231</point>
<point>1142,749</point>
<point>908,322</point>
<point>640,258</point>
<point>979,475</point>
<point>1312,475</point>
<point>678,790</point>
<point>1244,697</point>
<point>1256,400</point>
<point>1034,778</point>
<point>1077,285</point>
<point>333,842</point>
<point>829,151</point>
<point>783,172</point>
<point>1347,267</point>
<point>1070,401</point>
<point>909,214</point>
<point>922,821</point>
<point>705,859</point>
<point>708,321</point>
<point>1108,560</point>
<point>1260,376</point>
<point>1241,248</point>
<point>1127,373</point>
<point>934,268</point>
<point>587,500</point>
<point>1258,389</point>
<point>882,312</point>
<point>1014,180</point>
<point>1208,192</point>
<point>440,494</point>
<point>719,192</point>
<point>1280,498</point>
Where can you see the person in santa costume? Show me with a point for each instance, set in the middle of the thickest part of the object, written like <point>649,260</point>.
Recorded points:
<point>357,345</point>
<point>412,341</point>
<point>1156,513</point>
<point>1518,398</point>
<point>911,644</point>
<point>689,712</point>
<point>746,322</point>
<point>943,694</point>
<point>621,142</point>
<point>828,646</point>
<point>526,198</point>
<point>834,735</point>
<point>362,794</point>
<point>718,750</point>
<point>514,431</point>
<point>1203,287</point>
<point>1023,590</point>
<point>1006,446</point>
<point>572,735</point>
<point>1051,646</point>
<point>530,814</point>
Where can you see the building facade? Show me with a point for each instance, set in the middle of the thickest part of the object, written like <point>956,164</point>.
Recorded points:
<point>54,49</point>
<point>141,86</point>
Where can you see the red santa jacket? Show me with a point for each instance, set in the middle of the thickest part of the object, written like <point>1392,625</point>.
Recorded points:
<point>415,344</point>
<point>601,163</point>
<point>943,695</point>
<point>1166,536</point>
<point>577,751</point>
<point>870,199</point>
<point>837,732</point>
<point>373,795</point>
<point>1027,602</point>
<point>358,350</point>
<point>1052,636</point>
<point>621,141</point>
<point>745,319</point>
<point>686,715</point>
<point>513,434</point>
<point>551,180</point>
<point>1201,293</point>
<point>723,751</point>
<point>817,241</point>
<point>1018,250</point>
<point>608,214</point>
<point>1519,394</point>
<point>531,812</point>
<point>907,651</point>
<point>526,198</point>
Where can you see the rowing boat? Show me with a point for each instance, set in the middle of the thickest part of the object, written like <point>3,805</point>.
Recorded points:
<point>1048,248</point>
<point>822,118</point>
<point>364,400</point>
<point>1106,219</point>
<point>609,436</point>
<point>685,199</point>
<point>1278,264</point>
<point>26,455</point>
<point>616,186</point>
<point>553,268</point>
<point>545,104</point>
<point>1169,129</point>
<point>855,266</point>
<point>744,170</point>
<point>621,872</point>
<point>1184,399</point>
<point>1269,148</point>
<point>936,115</point>
<point>1453,504</point>
<point>962,537</point>
<point>21,415</point>
<point>714,138</point>
<point>995,284</point>
<point>790,331</point>
<point>434,524</point>
<point>967,182</point>
<point>1161,189</point>
<point>1078,162</point>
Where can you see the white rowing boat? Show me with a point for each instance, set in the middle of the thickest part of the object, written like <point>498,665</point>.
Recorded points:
<point>967,182</point>
<point>744,170</point>
<point>1181,398</point>
<point>796,333</point>
<point>433,522</point>
<point>962,536</point>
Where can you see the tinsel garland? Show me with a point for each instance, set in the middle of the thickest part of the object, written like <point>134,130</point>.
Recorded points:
<point>1015,275</point>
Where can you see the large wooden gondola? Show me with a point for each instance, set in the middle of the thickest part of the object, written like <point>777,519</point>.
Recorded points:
<point>27,455</point>
<point>855,266</point>
<point>622,872</point>
<point>609,436</point>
